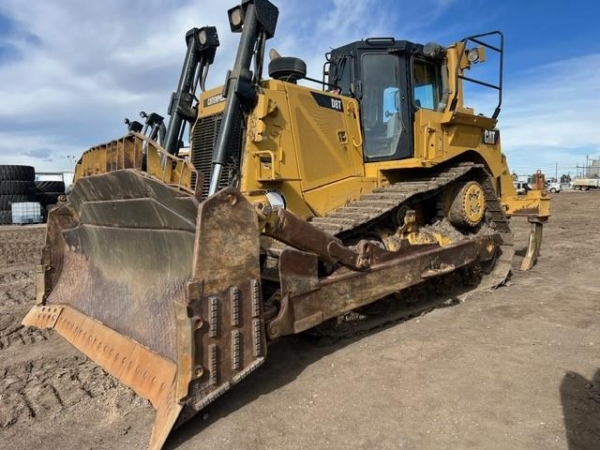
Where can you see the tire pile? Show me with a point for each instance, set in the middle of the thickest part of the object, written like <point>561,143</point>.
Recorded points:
<point>17,185</point>
<point>47,192</point>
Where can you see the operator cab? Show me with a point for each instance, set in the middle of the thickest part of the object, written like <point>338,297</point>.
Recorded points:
<point>391,80</point>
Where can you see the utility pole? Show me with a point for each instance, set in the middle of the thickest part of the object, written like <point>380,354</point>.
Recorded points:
<point>556,173</point>
<point>73,160</point>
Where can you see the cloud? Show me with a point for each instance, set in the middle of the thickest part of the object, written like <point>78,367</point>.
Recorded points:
<point>551,115</point>
<point>76,69</point>
<point>43,154</point>
<point>71,70</point>
<point>38,151</point>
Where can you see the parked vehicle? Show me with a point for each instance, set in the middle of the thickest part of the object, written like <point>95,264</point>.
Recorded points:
<point>553,187</point>
<point>522,187</point>
<point>584,184</point>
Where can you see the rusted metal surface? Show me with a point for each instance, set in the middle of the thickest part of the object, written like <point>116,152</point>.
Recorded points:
<point>162,292</point>
<point>185,350</point>
<point>149,374</point>
<point>137,151</point>
<point>303,295</point>
<point>123,256</point>
<point>359,217</point>
<point>166,417</point>
<point>307,300</point>
<point>59,218</point>
<point>225,298</point>
<point>288,228</point>
<point>533,246</point>
<point>116,264</point>
<point>176,284</point>
<point>539,181</point>
<point>298,274</point>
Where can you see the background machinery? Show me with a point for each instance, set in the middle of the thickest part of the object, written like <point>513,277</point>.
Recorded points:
<point>294,207</point>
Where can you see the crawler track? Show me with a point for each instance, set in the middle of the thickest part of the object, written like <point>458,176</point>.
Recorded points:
<point>373,210</point>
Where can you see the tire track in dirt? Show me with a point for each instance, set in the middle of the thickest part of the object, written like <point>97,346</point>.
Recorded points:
<point>12,332</point>
<point>40,375</point>
<point>16,275</point>
<point>46,387</point>
<point>20,247</point>
<point>19,251</point>
<point>17,294</point>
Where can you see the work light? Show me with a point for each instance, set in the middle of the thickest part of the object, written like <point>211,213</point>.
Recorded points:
<point>236,19</point>
<point>208,37</point>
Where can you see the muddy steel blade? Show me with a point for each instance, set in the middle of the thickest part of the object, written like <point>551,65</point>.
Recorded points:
<point>137,279</point>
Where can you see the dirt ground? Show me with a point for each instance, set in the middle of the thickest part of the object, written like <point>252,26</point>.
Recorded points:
<point>516,368</point>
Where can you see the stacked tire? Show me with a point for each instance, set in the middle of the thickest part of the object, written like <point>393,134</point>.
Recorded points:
<point>48,192</point>
<point>16,185</point>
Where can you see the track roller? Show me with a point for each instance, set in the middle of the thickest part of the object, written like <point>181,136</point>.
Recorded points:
<point>467,205</point>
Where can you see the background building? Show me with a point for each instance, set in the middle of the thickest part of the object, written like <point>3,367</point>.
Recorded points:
<point>593,168</point>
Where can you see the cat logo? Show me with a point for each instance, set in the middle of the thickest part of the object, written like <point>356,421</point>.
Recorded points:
<point>490,136</point>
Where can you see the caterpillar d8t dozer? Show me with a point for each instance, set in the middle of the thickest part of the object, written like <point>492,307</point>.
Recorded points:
<point>175,267</point>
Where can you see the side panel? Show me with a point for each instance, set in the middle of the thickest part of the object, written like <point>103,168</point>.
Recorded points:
<point>326,148</point>
<point>307,145</point>
<point>269,159</point>
<point>441,137</point>
<point>327,198</point>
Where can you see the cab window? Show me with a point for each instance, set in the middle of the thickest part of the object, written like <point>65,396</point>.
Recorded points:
<point>341,75</point>
<point>426,92</point>
<point>344,76</point>
<point>380,104</point>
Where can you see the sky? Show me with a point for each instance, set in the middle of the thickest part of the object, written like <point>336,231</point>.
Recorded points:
<point>71,71</point>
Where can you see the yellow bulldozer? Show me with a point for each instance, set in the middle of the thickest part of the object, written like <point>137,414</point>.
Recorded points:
<point>297,202</point>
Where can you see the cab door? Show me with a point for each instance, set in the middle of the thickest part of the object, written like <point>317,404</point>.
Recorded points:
<point>385,112</point>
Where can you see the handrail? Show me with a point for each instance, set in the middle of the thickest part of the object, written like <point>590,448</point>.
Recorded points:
<point>459,76</point>
<point>139,152</point>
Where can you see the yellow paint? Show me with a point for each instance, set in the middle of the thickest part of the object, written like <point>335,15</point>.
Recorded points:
<point>474,203</point>
<point>313,155</point>
<point>129,152</point>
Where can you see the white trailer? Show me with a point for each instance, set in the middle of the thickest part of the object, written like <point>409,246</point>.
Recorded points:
<point>584,184</point>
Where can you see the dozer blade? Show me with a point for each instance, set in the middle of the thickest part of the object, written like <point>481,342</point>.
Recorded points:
<point>161,291</point>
